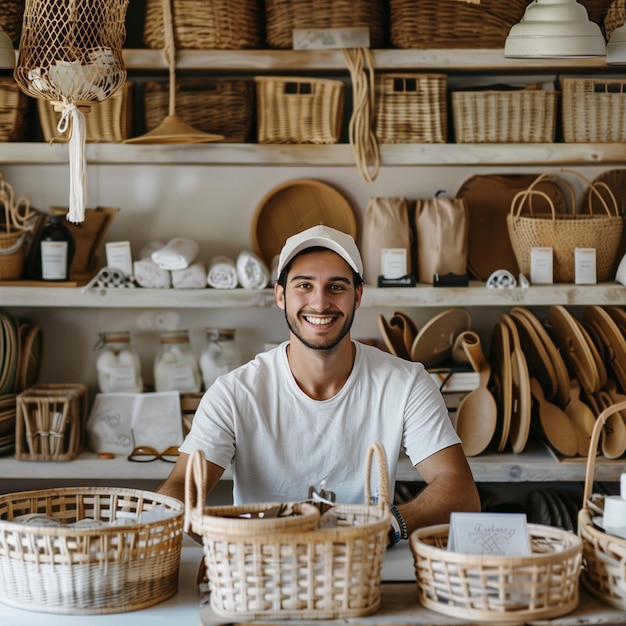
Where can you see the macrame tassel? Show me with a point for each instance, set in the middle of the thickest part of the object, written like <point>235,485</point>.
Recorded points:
<point>78,163</point>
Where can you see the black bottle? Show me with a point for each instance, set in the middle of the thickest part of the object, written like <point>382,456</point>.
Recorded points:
<point>53,252</point>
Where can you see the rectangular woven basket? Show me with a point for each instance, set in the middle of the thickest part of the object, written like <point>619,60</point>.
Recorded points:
<point>298,110</point>
<point>523,116</point>
<point>14,105</point>
<point>593,109</point>
<point>206,24</point>
<point>411,108</point>
<point>86,550</point>
<point>496,588</point>
<point>221,106</point>
<point>292,567</point>
<point>283,16</point>
<point>50,422</point>
<point>109,121</point>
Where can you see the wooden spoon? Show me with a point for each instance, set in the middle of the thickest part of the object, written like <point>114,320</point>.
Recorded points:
<point>554,422</point>
<point>582,417</point>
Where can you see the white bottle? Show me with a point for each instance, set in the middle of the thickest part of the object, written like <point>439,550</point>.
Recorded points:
<point>118,365</point>
<point>220,355</point>
<point>176,366</point>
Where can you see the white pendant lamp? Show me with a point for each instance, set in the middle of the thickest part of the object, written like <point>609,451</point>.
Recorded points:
<point>7,52</point>
<point>616,48</point>
<point>555,28</point>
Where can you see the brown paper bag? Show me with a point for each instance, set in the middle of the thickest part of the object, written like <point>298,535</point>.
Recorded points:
<point>441,226</point>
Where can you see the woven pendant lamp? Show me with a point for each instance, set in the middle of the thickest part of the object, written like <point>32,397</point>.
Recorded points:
<point>172,129</point>
<point>71,55</point>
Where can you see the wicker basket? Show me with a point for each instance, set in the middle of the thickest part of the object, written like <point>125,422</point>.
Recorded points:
<point>436,24</point>
<point>604,555</point>
<point>593,109</point>
<point>12,255</point>
<point>121,564</point>
<point>11,15</point>
<point>566,232</point>
<point>498,588</point>
<point>298,110</point>
<point>524,116</point>
<point>206,24</point>
<point>50,423</point>
<point>283,16</point>
<point>221,106</point>
<point>109,121</point>
<point>328,572</point>
<point>13,110</point>
<point>411,108</point>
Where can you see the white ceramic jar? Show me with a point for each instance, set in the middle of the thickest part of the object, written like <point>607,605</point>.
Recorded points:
<point>221,354</point>
<point>176,366</point>
<point>118,366</point>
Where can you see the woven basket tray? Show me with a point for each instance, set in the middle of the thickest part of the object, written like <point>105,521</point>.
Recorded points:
<point>494,588</point>
<point>219,106</point>
<point>108,121</point>
<point>298,110</point>
<point>565,233</point>
<point>294,571</point>
<point>88,568</point>
<point>524,116</point>
<point>206,24</point>
<point>432,24</point>
<point>13,110</point>
<point>604,555</point>
<point>283,16</point>
<point>411,108</point>
<point>11,255</point>
<point>594,109</point>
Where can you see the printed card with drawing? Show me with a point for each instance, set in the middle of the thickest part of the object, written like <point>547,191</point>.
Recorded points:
<point>498,534</point>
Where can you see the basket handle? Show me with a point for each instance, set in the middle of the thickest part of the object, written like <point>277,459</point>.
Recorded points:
<point>593,446</point>
<point>383,475</point>
<point>195,487</point>
<point>517,204</point>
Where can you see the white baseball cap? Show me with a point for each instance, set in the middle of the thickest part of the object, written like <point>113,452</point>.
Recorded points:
<point>325,237</point>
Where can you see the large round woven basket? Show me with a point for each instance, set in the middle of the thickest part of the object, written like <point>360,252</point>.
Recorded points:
<point>604,555</point>
<point>11,255</point>
<point>88,551</point>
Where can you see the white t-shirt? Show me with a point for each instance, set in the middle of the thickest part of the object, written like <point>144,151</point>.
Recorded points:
<point>280,441</point>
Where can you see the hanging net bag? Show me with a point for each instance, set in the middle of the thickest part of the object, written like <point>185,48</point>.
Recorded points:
<point>71,55</point>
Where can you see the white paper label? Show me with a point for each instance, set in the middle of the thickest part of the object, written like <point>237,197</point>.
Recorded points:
<point>541,265</point>
<point>393,262</point>
<point>585,266</point>
<point>54,260</point>
<point>119,256</point>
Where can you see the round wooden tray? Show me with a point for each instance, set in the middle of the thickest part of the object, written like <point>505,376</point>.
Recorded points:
<point>294,206</point>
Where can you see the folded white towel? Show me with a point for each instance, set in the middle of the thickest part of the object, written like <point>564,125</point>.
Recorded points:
<point>222,273</point>
<point>252,271</point>
<point>193,277</point>
<point>149,248</point>
<point>149,274</point>
<point>177,254</point>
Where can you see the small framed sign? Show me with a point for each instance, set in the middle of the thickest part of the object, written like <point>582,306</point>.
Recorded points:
<point>498,534</point>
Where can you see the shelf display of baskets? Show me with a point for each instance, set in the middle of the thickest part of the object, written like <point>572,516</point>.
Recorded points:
<point>89,550</point>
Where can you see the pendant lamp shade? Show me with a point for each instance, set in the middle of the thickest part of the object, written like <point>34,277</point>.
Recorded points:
<point>616,48</point>
<point>7,53</point>
<point>555,28</point>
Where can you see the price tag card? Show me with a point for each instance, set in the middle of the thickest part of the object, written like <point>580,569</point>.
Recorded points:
<point>504,534</point>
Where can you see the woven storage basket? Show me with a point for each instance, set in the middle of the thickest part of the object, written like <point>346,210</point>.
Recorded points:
<point>298,110</point>
<point>593,109</point>
<point>439,24</point>
<point>13,110</point>
<point>331,571</point>
<point>109,121</point>
<point>283,16</point>
<point>494,588</point>
<point>566,232</point>
<point>50,422</point>
<point>122,564</point>
<point>604,555</point>
<point>411,108</point>
<point>12,255</point>
<point>221,106</point>
<point>11,14</point>
<point>206,24</point>
<point>524,116</point>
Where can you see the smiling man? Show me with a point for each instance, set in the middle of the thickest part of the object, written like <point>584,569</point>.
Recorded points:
<point>306,412</point>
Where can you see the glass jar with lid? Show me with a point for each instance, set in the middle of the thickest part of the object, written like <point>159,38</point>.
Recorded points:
<point>176,366</point>
<point>220,355</point>
<point>118,364</point>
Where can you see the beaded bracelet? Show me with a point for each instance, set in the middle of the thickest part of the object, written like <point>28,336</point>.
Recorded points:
<point>397,517</point>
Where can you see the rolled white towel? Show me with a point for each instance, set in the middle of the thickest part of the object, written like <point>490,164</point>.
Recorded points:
<point>193,277</point>
<point>252,271</point>
<point>222,273</point>
<point>177,254</point>
<point>148,274</point>
<point>149,248</point>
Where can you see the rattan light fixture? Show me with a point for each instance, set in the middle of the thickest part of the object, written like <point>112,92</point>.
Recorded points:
<point>70,54</point>
<point>555,28</point>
